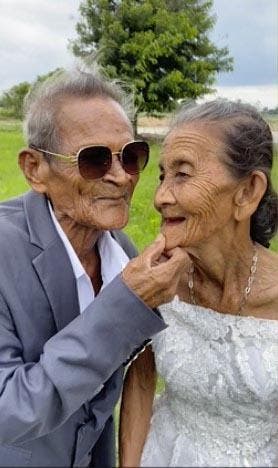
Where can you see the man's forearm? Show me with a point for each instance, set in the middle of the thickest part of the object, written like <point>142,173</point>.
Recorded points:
<point>38,397</point>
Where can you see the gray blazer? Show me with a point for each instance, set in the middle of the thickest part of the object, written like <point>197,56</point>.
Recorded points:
<point>60,372</point>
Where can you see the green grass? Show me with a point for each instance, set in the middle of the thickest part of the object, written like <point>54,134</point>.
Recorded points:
<point>12,181</point>
<point>144,221</point>
<point>272,120</point>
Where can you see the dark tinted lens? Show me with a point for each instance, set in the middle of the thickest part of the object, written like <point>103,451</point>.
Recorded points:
<point>94,161</point>
<point>135,156</point>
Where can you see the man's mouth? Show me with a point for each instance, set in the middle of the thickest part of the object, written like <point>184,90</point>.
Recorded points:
<point>173,221</point>
<point>113,198</point>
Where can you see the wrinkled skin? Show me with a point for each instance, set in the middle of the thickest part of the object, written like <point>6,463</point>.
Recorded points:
<point>195,196</point>
<point>85,208</point>
<point>205,211</point>
<point>100,203</point>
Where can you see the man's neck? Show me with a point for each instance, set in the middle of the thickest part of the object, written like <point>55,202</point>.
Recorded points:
<point>84,242</point>
<point>82,238</point>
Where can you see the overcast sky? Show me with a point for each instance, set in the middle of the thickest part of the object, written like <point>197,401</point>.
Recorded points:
<point>34,36</point>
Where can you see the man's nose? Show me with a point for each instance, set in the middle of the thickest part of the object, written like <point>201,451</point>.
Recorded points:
<point>164,195</point>
<point>116,173</point>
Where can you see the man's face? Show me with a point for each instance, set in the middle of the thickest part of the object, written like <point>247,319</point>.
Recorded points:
<point>100,203</point>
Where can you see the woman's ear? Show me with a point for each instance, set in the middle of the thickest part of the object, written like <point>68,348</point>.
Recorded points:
<point>249,194</point>
<point>35,168</point>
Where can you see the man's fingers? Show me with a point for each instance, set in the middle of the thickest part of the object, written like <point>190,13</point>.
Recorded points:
<point>154,251</point>
<point>176,260</point>
<point>175,251</point>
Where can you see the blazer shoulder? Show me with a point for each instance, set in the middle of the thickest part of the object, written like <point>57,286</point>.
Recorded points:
<point>12,206</point>
<point>13,226</point>
<point>125,243</point>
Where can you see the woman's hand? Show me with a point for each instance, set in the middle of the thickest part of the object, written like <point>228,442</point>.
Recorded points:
<point>154,275</point>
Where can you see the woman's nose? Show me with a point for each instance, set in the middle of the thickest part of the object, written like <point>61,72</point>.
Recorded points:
<point>164,195</point>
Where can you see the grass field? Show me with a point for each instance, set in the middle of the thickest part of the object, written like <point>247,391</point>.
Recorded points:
<point>144,221</point>
<point>273,121</point>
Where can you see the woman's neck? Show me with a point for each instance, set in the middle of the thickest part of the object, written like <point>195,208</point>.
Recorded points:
<point>218,265</point>
<point>221,271</point>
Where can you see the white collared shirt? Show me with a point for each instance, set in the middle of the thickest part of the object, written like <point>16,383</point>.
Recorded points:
<point>112,258</point>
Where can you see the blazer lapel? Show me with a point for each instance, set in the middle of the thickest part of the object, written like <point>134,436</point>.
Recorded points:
<point>52,265</point>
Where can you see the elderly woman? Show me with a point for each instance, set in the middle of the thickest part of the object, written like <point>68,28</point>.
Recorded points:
<point>219,354</point>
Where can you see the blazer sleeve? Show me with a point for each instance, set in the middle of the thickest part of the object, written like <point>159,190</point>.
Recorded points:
<point>36,398</point>
<point>132,252</point>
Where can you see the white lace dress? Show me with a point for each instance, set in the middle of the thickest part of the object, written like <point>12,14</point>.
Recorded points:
<point>220,405</point>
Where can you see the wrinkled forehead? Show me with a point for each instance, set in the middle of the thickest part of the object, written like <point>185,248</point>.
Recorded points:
<point>81,122</point>
<point>192,141</point>
<point>77,109</point>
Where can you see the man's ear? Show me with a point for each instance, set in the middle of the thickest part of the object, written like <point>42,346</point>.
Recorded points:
<point>249,194</point>
<point>35,168</point>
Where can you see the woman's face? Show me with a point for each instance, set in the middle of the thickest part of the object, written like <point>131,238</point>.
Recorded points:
<point>196,192</point>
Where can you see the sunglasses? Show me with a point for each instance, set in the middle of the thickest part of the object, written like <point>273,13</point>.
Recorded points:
<point>96,160</point>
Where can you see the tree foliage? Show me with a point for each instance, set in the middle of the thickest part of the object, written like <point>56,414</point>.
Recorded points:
<point>13,99</point>
<point>161,47</point>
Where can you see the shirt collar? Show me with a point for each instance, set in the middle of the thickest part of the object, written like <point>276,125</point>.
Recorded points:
<point>78,269</point>
<point>113,257</point>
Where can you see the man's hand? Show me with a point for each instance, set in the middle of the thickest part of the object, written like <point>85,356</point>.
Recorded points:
<point>153,275</point>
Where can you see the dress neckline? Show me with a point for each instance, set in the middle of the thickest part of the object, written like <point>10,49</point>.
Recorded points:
<point>222,315</point>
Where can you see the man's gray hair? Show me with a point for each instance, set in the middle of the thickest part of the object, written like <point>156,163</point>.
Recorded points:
<point>43,102</point>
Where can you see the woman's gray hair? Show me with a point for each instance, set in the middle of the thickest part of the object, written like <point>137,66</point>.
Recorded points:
<point>43,102</point>
<point>249,147</point>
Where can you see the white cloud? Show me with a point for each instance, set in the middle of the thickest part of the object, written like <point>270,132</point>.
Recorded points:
<point>260,96</point>
<point>250,30</point>
<point>34,37</point>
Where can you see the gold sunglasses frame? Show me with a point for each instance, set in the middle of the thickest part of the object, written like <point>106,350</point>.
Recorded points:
<point>73,159</point>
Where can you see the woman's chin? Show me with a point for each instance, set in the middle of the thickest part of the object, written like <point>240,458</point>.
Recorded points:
<point>172,240</point>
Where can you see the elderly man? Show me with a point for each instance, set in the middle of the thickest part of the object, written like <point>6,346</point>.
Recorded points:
<point>68,318</point>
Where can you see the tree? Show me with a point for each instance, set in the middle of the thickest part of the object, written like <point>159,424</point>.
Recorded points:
<point>53,73</point>
<point>13,99</point>
<point>161,47</point>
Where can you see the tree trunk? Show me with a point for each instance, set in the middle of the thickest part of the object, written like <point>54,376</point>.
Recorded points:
<point>135,124</point>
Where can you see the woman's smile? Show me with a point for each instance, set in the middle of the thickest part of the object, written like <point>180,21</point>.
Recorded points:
<point>173,221</point>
